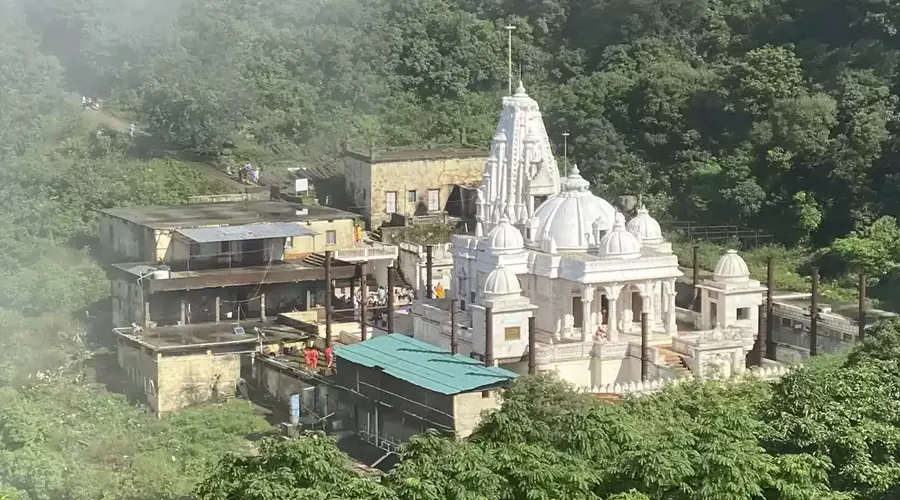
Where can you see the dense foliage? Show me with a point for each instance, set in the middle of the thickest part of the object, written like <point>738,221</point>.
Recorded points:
<point>780,115</point>
<point>826,431</point>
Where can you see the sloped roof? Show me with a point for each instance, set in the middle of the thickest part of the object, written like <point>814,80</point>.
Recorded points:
<point>423,364</point>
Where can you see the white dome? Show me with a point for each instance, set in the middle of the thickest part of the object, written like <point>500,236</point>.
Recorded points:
<point>618,242</point>
<point>505,237</point>
<point>645,227</point>
<point>731,267</point>
<point>568,218</point>
<point>502,281</point>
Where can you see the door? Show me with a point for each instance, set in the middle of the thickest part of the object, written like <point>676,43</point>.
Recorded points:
<point>390,202</point>
<point>434,200</point>
<point>577,313</point>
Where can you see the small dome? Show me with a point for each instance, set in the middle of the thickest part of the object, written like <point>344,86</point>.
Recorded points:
<point>618,242</point>
<point>645,227</point>
<point>502,281</point>
<point>505,237</point>
<point>568,218</point>
<point>731,267</point>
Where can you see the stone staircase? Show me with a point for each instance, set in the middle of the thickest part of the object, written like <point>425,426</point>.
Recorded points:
<point>376,235</point>
<point>675,362</point>
<point>316,259</point>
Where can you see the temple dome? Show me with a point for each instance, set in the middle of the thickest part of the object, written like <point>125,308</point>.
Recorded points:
<point>502,281</point>
<point>731,267</point>
<point>645,227</point>
<point>618,242</point>
<point>568,218</point>
<point>505,237</point>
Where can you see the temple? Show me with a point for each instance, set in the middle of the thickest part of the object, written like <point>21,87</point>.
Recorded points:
<point>549,254</point>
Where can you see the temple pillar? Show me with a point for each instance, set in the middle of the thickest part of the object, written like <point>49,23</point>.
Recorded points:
<point>658,304</point>
<point>671,313</point>
<point>612,298</point>
<point>587,322</point>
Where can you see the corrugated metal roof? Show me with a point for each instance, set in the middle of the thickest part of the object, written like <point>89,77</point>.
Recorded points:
<point>246,232</point>
<point>423,364</point>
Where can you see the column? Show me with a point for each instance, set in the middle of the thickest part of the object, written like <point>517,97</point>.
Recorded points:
<point>587,322</point>
<point>262,307</point>
<point>672,314</point>
<point>646,291</point>
<point>655,290</point>
<point>218,309</point>
<point>183,312</point>
<point>612,297</point>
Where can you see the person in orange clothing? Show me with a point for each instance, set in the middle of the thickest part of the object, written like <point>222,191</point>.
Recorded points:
<point>314,358</point>
<point>329,356</point>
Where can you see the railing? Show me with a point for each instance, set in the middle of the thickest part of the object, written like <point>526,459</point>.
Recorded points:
<point>563,352</point>
<point>651,386</point>
<point>831,321</point>
<point>368,251</point>
<point>609,350</point>
<point>438,252</point>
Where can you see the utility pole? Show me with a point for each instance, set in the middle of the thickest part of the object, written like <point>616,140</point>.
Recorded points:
<point>509,73</point>
<point>565,154</point>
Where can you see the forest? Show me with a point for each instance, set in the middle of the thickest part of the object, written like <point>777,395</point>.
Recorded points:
<point>780,116</point>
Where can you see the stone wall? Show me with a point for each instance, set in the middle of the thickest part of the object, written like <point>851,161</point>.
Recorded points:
<point>192,379</point>
<point>469,408</point>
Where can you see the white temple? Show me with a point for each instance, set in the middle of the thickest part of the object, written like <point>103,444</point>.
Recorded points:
<point>548,248</point>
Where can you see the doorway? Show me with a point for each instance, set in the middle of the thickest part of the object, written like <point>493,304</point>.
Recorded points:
<point>577,312</point>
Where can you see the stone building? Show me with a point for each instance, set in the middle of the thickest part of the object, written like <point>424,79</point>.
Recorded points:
<point>411,182</point>
<point>547,248</point>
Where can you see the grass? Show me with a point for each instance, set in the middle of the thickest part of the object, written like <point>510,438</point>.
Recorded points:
<point>790,264</point>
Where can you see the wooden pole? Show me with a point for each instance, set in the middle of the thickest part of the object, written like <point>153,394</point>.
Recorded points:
<point>363,300</point>
<point>390,299</point>
<point>696,278</point>
<point>329,291</point>
<point>814,314</point>
<point>488,336</point>
<point>532,347</point>
<point>429,264</point>
<point>645,340</point>
<point>454,336</point>
<point>861,317</point>
<point>770,308</point>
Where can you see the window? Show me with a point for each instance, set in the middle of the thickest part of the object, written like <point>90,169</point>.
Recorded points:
<point>787,322</point>
<point>512,333</point>
<point>743,313</point>
<point>434,200</point>
<point>331,237</point>
<point>390,202</point>
<point>411,196</point>
<point>289,243</point>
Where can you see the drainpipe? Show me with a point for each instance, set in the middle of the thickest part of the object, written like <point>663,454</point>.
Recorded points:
<point>329,291</point>
<point>429,263</point>
<point>390,299</point>
<point>364,295</point>
<point>532,347</point>
<point>814,314</point>
<point>645,337</point>
<point>696,278</point>
<point>454,338</point>
<point>770,308</point>
<point>861,318</point>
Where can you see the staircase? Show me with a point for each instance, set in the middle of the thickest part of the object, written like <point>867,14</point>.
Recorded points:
<point>316,259</point>
<point>376,235</point>
<point>675,362</point>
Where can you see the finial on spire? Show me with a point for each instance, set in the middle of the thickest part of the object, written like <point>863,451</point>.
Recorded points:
<point>575,171</point>
<point>509,30</point>
<point>620,220</point>
<point>520,90</point>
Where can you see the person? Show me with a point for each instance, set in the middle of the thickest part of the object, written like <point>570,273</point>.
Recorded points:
<point>329,356</point>
<point>382,295</point>
<point>131,130</point>
<point>314,358</point>
<point>439,291</point>
<point>84,102</point>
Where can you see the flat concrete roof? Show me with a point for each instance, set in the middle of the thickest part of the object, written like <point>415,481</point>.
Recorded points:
<point>212,335</point>
<point>416,154</point>
<point>225,214</point>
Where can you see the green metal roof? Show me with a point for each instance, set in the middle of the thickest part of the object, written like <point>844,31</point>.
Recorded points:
<point>423,364</point>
